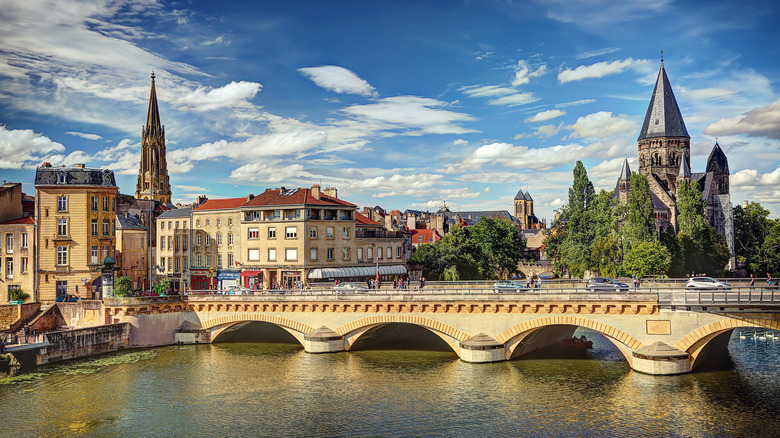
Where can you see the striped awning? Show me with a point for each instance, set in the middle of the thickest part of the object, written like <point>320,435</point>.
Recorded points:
<point>358,271</point>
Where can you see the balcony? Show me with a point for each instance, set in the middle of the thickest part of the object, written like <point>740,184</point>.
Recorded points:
<point>378,234</point>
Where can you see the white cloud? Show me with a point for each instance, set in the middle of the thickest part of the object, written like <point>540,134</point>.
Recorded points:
<point>545,115</point>
<point>599,13</point>
<point>460,142</point>
<point>547,130</point>
<point>411,114</point>
<point>600,69</point>
<point>339,80</point>
<point>575,103</point>
<point>601,125</point>
<point>515,99</point>
<point>597,52</point>
<point>758,122</point>
<point>524,73</point>
<point>267,172</point>
<point>751,178</point>
<point>486,91</point>
<point>24,148</point>
<point>83,135</point>
<point>410,184</point>
<point>218,40</point>
<point>234,94</point>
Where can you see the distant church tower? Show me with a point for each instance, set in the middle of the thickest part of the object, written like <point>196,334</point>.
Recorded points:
<point>153,180</point>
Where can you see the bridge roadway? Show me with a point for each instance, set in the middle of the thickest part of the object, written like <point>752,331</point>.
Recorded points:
<point>658,330</point>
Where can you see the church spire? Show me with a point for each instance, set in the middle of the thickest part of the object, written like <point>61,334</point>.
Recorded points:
<point>153,114</point>
<point>663,118</point>
<point>153,182</point>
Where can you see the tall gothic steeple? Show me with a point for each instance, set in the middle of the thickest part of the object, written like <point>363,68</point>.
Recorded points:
<point>153,180</point>
<point>663,141</point>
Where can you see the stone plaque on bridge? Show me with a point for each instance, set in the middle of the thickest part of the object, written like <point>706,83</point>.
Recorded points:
<point>659,327</point>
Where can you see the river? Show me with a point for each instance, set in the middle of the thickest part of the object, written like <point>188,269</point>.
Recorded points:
<point>276,389</point>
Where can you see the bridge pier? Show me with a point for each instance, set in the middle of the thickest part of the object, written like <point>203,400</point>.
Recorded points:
<point>481,348</point>
<point>660,359</point>
<point>323,340</point>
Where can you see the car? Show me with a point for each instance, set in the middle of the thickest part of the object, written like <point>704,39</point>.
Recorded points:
<point>348,287</point>
<point>67,298</point>
<point>509,286</point>
<point>605,284</point>
<point>706,283</point>
<point>237,290</point>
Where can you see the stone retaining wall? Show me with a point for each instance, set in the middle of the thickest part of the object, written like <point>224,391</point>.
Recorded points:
<point>71,344</point>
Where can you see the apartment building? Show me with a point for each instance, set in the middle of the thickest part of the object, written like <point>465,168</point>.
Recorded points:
<point>216,246</point>
<point>174,234</point>
<point>17,246</point>
<point>75,208</point>
<point>132,250</point>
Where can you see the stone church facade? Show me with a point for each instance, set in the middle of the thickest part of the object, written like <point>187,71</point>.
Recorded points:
<point>664,148</point>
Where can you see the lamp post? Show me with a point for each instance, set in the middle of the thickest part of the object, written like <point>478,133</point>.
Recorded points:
<point>149,245</point>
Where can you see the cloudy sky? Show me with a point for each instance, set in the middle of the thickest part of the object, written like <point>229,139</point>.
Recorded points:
<point>403,104</point>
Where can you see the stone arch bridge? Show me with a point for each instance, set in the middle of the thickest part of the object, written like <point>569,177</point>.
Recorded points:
<point>658,332</point>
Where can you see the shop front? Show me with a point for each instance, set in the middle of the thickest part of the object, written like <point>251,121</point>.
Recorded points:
<point>199,279</point>
<point>252,279</point>
<point>291,280</point>
<point>227,277</point>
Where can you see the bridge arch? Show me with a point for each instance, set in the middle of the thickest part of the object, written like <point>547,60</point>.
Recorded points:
<point>513,336</point>
<point>355,329</point>
<point>696,342</point>
<point>222,323</point>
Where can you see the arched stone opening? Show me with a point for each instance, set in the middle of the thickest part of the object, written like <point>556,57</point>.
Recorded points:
<point>254,331</point>
<point>400,336</point>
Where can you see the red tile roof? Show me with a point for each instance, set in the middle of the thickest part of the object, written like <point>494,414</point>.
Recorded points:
<point>428,236</point>
<point>294,197</point>
<point>362,220</point>
<point>395,213</point>
<point>22,220</point>
<point>221,204</point>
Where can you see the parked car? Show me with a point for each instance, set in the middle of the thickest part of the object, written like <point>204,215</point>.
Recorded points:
<point>706,283</point>
<point>67,298</point>
<point>237,290</point>
<point>348,287</point>
<point>508,286</point>
<point>605,284</point>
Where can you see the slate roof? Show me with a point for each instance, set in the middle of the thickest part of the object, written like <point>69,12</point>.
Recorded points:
<point>717,161</point>
<point>663,118</point>
<point>74,176</point>
<point>176,213</point>
<point>153,114</point>
<point>625,172</point>
<point>129,223</point>
<point>221,204</point>
<point>298,196</point>
<point>685,169</point>
<point>520,195</point>
<point>472,217</point>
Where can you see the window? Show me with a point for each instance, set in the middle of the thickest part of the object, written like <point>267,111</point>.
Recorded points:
<point>271,254</point>
<point>379,252</point>
<point>162,242</point>
<point>170,224</point>
<point>197,241</point>
<point>219,260</point>
<point>170,242</point>
<point>330,253</point>
<point>113,227</point>
<point>178,242</point>
<point>62,203</point>
<point>230,259</point>
<point>313,254</point>
<point>23,265</point>
<point>230,239</point>
<point>184,243</point>
<point>208,240</point>
<point>346,232</point>
<point>254,254</point>
<point>254,233</point>
<point>219,239</point>
<point>198,260</point>
<point>208,259</point>
<point>272,232</point>
<point>94,255</point>
<point>177,265</point>
<point>291,232</point>
<point>389,252</point>
<point>313,232</point>
<point>106,225</point>
<point>219,222</point>
<point>346,254</point>
<point>197,222</point>
<point>184,264</point>
<point>62,255</point>
<point>94,203</point>
<point>105,252</point>
<point>24,241</point>
<point>9,268</point>
<point>230,221</point>
<point>360,253</point>
<point>185,225</point>
<point>62,227</point>
<point>170,264</point>
<point>61,178</point>
<point>291,254</point>
<point>330,233</point>
<point>176,225</point>
<point>94,227</point>
<point>105,203</point>
<point>207,222</point>
<point>9,243</point>
<point>370,253</point>
<point>162,225</point>
<point>398,252</point>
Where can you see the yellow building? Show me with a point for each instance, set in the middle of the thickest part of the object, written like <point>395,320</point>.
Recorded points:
<point>75,208</point>
<point>173,247</point>
<point>132,250</point>
<point>17,244</point>
<point>216,245</point>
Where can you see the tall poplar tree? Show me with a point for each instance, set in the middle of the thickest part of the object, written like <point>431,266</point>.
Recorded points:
<point>580,233</point>
<point>640,214</point>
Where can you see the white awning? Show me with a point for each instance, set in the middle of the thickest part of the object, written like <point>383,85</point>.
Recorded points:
<point>358,271</point>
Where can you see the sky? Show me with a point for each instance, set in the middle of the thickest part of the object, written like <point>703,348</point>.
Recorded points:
<point>402,104</point>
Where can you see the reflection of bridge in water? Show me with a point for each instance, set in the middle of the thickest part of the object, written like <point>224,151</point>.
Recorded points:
<point>658,331</point>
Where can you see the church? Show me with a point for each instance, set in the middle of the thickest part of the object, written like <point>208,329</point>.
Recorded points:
<point>665,160</point>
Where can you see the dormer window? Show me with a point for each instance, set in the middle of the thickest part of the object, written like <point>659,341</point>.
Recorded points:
<point>61,178</point>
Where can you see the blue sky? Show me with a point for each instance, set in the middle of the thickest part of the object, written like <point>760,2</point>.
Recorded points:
<point>402,104</point>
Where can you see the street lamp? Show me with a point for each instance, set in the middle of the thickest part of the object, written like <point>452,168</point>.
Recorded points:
<point>149,244</point>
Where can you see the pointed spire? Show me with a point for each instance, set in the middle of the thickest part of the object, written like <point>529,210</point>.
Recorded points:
<point>153,115</point>
<point>717,161</point>
<point>625,173</point>
<point>528,196</point>
<point>520,196</point>
<point>685,169</point>
<point>663,118</point>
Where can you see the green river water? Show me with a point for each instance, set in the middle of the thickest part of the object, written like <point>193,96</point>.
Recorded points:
<point>273,389</point>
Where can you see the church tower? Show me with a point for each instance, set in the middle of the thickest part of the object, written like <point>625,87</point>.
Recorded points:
<point>623,185</point>
<point>153,180</point>
<point>663,141</point>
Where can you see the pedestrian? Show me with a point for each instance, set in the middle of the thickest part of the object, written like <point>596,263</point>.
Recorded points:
<point>752,281</point>
<point>539,282</point>
<point>636,282</point>
<point>422,282</point>
<point>768,279</point>
<point>529,279</point>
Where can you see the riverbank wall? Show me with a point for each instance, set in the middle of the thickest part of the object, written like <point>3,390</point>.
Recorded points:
<point>61,345</point>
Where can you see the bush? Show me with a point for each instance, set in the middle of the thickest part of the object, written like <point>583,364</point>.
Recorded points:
<point>17,295</point>
<point>162,288</point>
<point>123,287</point>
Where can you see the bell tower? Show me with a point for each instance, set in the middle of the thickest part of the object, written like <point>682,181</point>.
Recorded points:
<point>153,180</point>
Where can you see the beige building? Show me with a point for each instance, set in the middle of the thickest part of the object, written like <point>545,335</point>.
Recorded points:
<point>216,246</point>
<point>76,212</point>
<point>17,247</point>
<point>174,232</point>
<point>132,250</point>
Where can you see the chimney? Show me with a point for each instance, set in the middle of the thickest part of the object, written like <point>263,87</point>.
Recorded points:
<point>201,199</point>
<point>79,166</point>
<point>250,197</point>
<point>46,165</point>
<point>315,191</point>
<point>332,192</point>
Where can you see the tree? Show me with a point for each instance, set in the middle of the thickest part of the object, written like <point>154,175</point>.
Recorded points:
<point>500,247</point>
<point>605,256</point>
<point>751,229</point>
<point>690,207</point>
<point>669,239</point>
<point>647,258</point>
<point>575,247</point>
<point>163,287</point>
<point>124,285</point>
<point>640,214</point>
<point>771,248</point>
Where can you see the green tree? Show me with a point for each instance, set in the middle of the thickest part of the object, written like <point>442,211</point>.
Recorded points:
<point>640,214</point>
<point>647,258</point>
<point>123,287</point>
<point>751,229</point>
<point>574,250</point>
<point>605,256</point>
<point>163,287</point>
<point>500,247</point>
<point>771,248</point>
<point>17,294</point>
<point>690,207</point>
<point>451,274</point>
<point>669,239</point>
